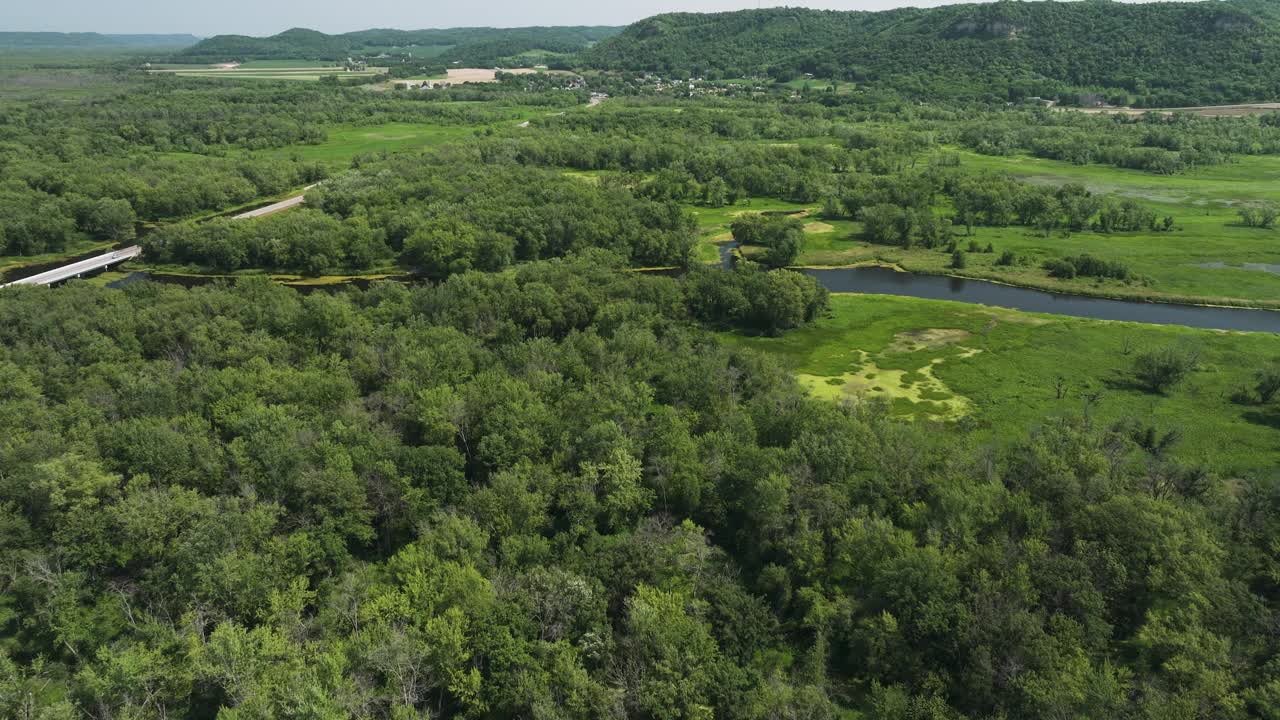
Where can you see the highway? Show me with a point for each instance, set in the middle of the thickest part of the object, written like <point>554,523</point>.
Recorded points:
<point>76,269</point>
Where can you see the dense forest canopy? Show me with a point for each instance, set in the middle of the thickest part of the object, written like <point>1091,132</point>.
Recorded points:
<point>1152,54</point>
<point>173,149</point>
<point>545,494</point>
<point>472,46</point>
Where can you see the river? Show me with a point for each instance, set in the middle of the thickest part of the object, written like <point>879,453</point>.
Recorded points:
<point>886,281</point>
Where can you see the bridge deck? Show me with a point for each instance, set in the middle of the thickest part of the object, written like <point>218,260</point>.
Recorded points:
<point>75,269</point>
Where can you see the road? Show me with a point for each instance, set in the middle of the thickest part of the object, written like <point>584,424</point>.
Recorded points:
<point>275,208</point>
<point>76,269</point>
<point>115,257</point>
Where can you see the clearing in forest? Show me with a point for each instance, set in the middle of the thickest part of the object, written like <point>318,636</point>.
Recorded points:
<point>1005,372</point>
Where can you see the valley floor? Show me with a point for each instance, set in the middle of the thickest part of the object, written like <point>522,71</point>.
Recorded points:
<point>1005,372</point>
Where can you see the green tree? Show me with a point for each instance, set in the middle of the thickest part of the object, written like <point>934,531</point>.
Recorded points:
<point>671,658</point>
<point>1268,382</point>
<point>1160,370</point>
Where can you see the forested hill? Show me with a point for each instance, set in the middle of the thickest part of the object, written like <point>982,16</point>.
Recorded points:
<point>471,45</point>
<point>1156,54</point>
<point>47,40</point>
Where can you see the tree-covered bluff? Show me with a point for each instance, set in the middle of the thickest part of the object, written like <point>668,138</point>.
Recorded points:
<point>1156,54</point>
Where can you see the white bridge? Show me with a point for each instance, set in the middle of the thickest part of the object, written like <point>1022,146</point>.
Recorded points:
<point>115,257</point>
<point>80,267</point>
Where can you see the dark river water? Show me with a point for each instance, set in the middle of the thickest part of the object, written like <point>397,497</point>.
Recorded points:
<point>884,281</point>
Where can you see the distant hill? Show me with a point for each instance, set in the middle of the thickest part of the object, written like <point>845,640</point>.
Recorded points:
<point>54,40</point>
<point>1165,54</point>
<point>482,46</point>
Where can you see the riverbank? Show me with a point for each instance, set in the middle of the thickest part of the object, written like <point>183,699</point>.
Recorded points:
<point>981,266</point>
<point>1003,371</point>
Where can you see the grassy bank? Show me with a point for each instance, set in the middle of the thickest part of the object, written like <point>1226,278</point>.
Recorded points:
<point>1211,258</point>
<point>1002,371</point>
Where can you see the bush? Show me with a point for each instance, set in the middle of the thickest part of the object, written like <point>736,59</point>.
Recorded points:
<point>1160,370</point>
<point>1009,257</point>
<point>1090,266</point>
<point>958,260</point>
<point>1263,216</point>
<point>1086,266</point>
<point>1064,269</point>
<point>1268,382</point>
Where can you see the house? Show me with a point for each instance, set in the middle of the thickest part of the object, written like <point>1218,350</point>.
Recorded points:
<point>1092,100</point>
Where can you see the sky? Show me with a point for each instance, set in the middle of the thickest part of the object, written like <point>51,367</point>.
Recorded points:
<point>267,17</point>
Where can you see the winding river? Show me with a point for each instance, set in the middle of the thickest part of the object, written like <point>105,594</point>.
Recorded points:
<point>886,281</point>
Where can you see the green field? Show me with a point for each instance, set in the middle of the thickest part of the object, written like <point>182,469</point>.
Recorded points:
<point>267,70</point>
<point>998,370</point>
<point>31,73</point>
<point>347,141</point>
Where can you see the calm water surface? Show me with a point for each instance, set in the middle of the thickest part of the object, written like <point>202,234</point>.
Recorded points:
<point>884,281</point>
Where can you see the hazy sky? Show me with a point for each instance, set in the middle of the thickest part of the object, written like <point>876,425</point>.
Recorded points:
<point>266,17</point>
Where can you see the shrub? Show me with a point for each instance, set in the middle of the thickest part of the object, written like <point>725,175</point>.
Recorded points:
<point>1160,370</point>
<point>1263,216</point>
<point>1064,269</point>
<point>1268,382</point>
<point>1086,266</point>
<point>958,260</point>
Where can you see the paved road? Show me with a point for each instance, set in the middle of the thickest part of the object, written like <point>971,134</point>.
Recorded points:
<point>277,207</point>
<point>76,269</point>
<point>115,257</point>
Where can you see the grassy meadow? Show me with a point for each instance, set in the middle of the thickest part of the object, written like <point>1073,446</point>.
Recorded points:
<point>1210,258</point>
<point>345,142</point>
<point>999,371</point>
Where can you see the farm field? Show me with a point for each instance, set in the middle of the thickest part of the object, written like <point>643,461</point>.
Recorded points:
<point>462,76</point>
<point>998,371</point>
<point>1239,110</point>
<point>266,70</point>
<point>31,73</point>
